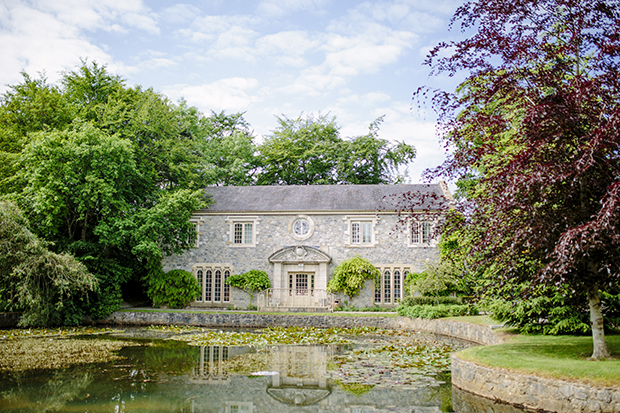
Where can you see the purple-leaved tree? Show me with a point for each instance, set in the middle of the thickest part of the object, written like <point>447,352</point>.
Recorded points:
<point>535,131</point>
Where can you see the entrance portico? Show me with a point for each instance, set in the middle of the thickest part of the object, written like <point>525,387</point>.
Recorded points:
<point>291,262</point>
<point>299,280</point>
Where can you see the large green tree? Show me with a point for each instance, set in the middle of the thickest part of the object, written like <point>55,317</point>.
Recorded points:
<point>309,150</point>
<point>534,133</point>
<point>230,154</point>
<point>114,185</point>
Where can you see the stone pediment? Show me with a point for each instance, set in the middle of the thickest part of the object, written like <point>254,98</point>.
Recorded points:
<point>299,254</point>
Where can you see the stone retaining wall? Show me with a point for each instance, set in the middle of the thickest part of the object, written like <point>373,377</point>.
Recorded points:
<point>533,392</point>
<point>464,331</point>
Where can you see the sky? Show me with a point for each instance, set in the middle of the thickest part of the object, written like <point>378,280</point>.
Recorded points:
<point>354,60</point>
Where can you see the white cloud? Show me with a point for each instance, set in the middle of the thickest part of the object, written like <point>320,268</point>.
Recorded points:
<point>36,41</point>
<point>101,14</point>
<point>231,94</point>
<point>279,8</point>
<point>287,47</point>
<point>180,13</point>
<point>50,35</point>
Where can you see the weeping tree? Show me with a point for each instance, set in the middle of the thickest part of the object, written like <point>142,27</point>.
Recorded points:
<point>35,281</point>
<point>534,136</point>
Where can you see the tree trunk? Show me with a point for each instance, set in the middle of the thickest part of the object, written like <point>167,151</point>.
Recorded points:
<point>596,320</point>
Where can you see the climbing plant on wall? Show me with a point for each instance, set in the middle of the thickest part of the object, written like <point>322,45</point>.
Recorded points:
<point>350,275</point>
<point>251,282</point>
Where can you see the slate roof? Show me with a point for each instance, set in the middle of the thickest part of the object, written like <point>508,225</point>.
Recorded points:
<point>323,198</point>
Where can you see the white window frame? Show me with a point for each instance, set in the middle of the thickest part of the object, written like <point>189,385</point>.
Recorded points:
<point>208,287</point>
<point>361,231</point>
<point>421,233</point>
<point>198,224</point>
<point>291,229</point>
<point>243,223</point>
<point>386,291</point>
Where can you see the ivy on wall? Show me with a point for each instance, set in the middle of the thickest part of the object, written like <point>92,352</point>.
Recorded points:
<point>350,275</point>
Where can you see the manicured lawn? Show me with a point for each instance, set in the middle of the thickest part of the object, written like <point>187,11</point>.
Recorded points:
<point>474,319</point>
<point>563,357</point>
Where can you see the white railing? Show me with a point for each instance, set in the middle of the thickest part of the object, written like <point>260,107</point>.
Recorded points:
<point>281,299</point>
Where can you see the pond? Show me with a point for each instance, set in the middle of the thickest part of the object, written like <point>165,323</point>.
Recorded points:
<point>173,369</point>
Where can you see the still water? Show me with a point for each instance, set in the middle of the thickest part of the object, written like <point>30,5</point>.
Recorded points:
<point>141,370</point>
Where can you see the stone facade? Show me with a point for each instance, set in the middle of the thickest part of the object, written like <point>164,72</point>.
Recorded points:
<point>314,237</point>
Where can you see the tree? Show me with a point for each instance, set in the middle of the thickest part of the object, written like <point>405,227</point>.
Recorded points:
<point>39,283</point>
<point>309,151</point>
<point>229,149</point>
<point>534,130</point>
<point>251,282</point>
<point>368,159</point>
<point>31,106</point>
<point>115,186</point>
<point>300,151</point>
<point>350,275</point>
<point>435,279</point>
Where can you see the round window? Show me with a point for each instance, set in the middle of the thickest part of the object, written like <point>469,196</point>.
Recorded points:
<point>301,227</point>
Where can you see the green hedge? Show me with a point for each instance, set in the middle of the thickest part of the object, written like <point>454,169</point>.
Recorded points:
<point>437,311</point>
<point>411,301</point>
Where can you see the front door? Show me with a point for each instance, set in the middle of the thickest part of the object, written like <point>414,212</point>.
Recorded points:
<point>300,289</point>
<point>301,283</point>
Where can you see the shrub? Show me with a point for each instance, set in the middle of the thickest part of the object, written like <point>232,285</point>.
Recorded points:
<point>373,309</point>
<point>552,311</point>
<point>46,286</point>
<point>411,301</point>
<point>541,315</point>
<point>350,275</point>
<point>436,279</point>
<point>250,282</point>
<point>176,288</point>
<point>437,311</point>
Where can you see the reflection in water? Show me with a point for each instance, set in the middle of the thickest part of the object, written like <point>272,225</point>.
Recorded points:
<point>301,375</point>
<point>465,402</point>
<point>210,367</point>
<point>169,376</point>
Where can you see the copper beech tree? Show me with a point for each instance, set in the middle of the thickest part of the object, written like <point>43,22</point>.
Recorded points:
<point>535,131</point>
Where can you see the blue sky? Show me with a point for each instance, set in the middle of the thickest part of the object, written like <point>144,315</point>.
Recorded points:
<point>354,60</point>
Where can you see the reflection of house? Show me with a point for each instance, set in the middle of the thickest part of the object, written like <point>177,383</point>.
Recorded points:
<point>298,234</point>
<point>302,374</point>
<point>210,365</point>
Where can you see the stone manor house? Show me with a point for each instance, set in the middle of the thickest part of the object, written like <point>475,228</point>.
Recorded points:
<point>299,234</point>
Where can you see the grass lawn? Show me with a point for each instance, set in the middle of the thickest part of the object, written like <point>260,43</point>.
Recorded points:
<point>474,319</point>
<point>564,357</point>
